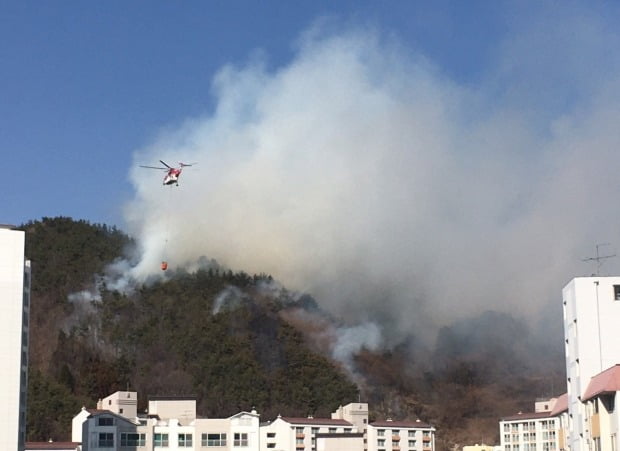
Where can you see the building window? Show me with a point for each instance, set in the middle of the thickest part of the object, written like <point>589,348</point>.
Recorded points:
<point>133,439</point>
<point>315,431</point>
<point>213,440</point>
<point>381,442</point>
<point>616,292</point>
<point>271,445</point>
<point>411,443</point>
<point>106,440</point>
<point>240,439</point>
<point>105,421</point>
<point>381,433</point>
<point>299,441</point>
<point>271,435</point>
<point>411,434</point>
<point>332,430</point>
<point>185,441</point>
<point>299,430</point>
<point>160,440</point>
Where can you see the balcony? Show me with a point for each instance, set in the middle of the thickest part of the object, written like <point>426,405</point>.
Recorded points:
<point>300,435</point>
<point>595,422</point>
<point>396,438</point>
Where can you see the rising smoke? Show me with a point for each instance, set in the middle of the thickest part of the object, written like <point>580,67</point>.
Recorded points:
<point>395,194</point>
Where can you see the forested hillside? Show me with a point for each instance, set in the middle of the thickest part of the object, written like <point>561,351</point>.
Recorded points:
<point>176,337</point>
<point>162,339</point>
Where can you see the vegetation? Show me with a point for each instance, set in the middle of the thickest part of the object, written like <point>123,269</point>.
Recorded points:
<point>162,339</point>
<point>176,337</point>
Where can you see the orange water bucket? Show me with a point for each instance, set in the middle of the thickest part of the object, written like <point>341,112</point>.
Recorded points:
<point>164,266</point>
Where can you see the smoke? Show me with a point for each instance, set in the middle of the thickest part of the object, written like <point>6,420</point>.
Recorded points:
<point>395,194</point>
<point>228,299</point>
<point>350,340</point>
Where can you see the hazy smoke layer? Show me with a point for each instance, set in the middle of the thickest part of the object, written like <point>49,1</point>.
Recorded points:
<point>363,175</point>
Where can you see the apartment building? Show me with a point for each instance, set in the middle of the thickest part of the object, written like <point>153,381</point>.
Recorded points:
<point>601,415</point>
<point>170,423</point>
<point>14,320</point>
<point>541,430</point>
<point>591,308</point>
<point>392,435</point>
<point>310,434</point>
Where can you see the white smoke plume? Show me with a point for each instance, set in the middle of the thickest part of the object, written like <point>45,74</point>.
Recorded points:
<point>350,340</point>
<point>362,174</point>
<point>228,299</point>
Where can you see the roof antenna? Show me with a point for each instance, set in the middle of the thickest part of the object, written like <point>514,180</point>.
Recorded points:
<point>598,258</point>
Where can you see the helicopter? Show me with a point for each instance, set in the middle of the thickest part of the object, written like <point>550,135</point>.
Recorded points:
<point>172,173</point>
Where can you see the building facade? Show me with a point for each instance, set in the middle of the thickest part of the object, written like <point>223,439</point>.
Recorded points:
<point>541,430</point>
<point>172,424</point>
<point>591,308</point>
<point>14,319</point>
<point>601,416</point>
<point>534,431</point>
<point>400,436</point>
<point>302,434</point>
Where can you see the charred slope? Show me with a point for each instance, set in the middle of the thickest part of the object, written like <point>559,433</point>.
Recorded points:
<point>480,369</point>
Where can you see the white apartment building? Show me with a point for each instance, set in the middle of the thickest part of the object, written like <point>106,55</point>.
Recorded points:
<point>592,344</point>
<point>541,430</point>
<point>400,436</point>
<point>171,424</point>
<point>14,318</point>
<point>292,433</point>
<point>533,431</point>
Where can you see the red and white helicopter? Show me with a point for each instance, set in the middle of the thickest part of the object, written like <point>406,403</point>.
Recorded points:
<point>172,173</point>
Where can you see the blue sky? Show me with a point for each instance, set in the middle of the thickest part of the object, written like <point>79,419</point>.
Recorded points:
<point>379,155</point>
<point>85,84</point>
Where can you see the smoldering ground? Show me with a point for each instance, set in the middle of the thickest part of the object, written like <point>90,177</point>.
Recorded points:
<point>391,191</point>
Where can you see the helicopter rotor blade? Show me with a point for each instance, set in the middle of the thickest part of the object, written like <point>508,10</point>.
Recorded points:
<point>165,164</point>
<point>154,167</point>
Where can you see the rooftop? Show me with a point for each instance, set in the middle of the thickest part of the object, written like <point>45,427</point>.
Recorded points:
<point>327,421</point>
<point>527,416</point>
<point>606,382</point>
<point>389,424</point>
